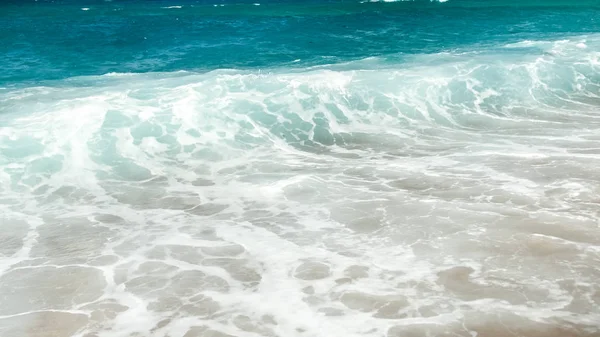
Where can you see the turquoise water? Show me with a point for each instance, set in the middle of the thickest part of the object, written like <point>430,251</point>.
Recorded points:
<point>50,40</point>
<point>286,168</point>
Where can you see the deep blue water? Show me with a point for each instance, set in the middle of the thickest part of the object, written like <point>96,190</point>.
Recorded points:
<point>41,40</point>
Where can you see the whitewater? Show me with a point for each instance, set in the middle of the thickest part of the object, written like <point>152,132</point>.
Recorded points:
<point>434,193</point>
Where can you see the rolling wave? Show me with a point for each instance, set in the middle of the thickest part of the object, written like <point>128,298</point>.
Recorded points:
<point>447,193</point>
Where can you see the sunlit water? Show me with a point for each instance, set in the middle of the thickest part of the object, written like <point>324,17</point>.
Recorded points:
<point>450,192</point>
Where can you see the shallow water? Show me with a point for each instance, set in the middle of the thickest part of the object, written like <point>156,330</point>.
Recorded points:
<point>391,190</point>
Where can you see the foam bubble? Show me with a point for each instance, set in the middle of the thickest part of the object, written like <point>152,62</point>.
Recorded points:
<point>362,199</point>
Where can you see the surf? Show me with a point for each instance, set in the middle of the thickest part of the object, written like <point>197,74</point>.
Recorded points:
<point>397,187</point>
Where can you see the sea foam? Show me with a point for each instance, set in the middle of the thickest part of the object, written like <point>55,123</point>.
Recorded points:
<point>457,196</point>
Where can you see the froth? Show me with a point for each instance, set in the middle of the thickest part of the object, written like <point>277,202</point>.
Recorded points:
<point>423,199</point>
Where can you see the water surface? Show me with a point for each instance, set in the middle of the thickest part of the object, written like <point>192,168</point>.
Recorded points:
<point>284,168</point>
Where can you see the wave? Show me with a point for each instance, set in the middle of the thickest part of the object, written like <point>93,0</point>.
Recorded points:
<point>406,191</point>
<point>343,106</point>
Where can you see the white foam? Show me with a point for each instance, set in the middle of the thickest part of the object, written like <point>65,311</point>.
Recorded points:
<point>525,44</point>
<point>339,201</point>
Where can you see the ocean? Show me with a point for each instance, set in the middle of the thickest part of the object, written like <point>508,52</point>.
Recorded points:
<point>288,168</point>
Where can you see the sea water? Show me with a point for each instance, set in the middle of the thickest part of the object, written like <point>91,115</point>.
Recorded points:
<point>300,168</point>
